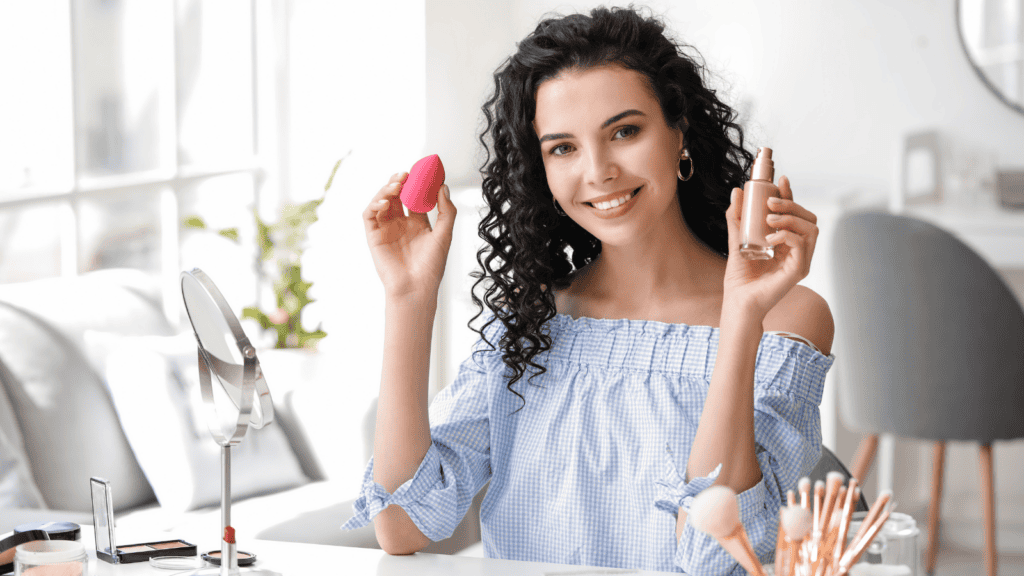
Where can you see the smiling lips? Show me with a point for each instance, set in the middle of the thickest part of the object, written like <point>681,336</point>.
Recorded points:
<point>610,207</point>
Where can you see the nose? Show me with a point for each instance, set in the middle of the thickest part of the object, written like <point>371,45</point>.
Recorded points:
<point>601,166</point>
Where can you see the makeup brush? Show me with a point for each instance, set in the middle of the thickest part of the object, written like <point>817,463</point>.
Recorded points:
<point>852,493</point>
<point>830,533</point>
<point>781,546</point>
<point>872,514</point>
<point>797,523</point>
<point>804,486</point>
<point>857,547</point>
<point>716,512</point>
<point>811,544</point>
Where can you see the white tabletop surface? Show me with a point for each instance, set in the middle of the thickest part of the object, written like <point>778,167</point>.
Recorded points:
<point>290,559</point>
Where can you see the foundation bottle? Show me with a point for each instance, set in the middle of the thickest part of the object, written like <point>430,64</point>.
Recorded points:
<point>753,226</point>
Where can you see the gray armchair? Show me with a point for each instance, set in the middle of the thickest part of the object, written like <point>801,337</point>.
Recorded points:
<point>932,342</point>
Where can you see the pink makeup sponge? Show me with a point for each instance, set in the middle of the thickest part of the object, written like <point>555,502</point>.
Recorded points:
<point>419,193</point>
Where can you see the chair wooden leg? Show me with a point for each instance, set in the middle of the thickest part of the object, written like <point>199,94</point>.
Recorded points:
<point>864,456</point>
<point>935,506</point>
<point>989,504</point>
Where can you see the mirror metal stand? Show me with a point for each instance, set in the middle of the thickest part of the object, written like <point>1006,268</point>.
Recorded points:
<point>226,355</point>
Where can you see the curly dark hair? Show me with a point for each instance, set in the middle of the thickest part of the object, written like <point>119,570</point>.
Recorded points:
<point>526,240</point>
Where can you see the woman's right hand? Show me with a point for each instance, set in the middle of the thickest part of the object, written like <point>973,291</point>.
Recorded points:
<point>409,256</point>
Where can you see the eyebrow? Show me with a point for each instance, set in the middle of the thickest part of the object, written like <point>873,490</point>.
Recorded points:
<point>606,123</point>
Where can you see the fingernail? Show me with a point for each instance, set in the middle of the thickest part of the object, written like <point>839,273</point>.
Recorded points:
<point>393,185</point>
<point>774,200</point>
<point>447,192</point>
<point>382,201</point>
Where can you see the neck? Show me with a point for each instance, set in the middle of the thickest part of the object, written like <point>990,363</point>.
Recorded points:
<point>666,265</point>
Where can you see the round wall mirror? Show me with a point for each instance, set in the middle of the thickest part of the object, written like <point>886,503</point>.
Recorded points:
<point>992,34</point>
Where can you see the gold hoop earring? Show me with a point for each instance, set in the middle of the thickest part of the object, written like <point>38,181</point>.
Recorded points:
<point>685,156</point>
<point>558,209</point>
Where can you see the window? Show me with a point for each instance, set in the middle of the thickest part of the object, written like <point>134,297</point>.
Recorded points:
<point>123,116</point>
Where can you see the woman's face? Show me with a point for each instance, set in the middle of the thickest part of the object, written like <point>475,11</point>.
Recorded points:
<point>602,137</point>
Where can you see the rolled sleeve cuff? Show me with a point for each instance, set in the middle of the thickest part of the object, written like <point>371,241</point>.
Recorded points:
<point>700,554</point>
<point>674,492</point>
<point>428,498</point>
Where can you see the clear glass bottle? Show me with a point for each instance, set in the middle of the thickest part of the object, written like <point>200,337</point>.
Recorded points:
<point>753,226</point>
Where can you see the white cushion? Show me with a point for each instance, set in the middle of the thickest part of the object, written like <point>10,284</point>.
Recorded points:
<point>17,489</point>
<point>155,386</point>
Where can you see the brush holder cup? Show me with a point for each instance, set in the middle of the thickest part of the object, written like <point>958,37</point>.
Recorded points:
<point>895,549</point>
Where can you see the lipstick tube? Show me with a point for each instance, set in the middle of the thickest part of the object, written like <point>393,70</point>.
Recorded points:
<point>753,224</point>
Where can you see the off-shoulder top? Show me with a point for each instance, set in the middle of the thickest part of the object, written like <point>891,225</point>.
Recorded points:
<point>590,470</point>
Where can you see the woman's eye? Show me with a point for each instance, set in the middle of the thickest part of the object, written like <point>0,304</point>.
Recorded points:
<point>631,129</point>
<point>554,151</point>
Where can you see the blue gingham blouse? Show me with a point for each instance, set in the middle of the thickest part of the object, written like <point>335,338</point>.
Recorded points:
<point>591,470</point>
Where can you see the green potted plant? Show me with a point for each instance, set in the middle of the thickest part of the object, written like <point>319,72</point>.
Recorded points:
<point>281,245</point>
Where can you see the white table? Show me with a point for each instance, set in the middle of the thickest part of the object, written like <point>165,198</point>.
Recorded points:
<point>290,559</point>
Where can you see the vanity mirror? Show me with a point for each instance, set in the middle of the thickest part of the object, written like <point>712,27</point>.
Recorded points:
<point>992,34</point>
<point>235,393</point>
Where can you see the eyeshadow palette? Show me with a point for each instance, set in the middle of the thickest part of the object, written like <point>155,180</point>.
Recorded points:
<point>143,552</point>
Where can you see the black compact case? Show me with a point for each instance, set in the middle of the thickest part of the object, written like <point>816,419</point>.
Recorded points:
<point>106,546</point>
<point>143,552</point>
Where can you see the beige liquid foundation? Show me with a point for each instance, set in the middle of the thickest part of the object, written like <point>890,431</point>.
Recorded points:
<point>753,226</point>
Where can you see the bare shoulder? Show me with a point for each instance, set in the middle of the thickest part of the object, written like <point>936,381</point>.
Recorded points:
<point>803,311</point>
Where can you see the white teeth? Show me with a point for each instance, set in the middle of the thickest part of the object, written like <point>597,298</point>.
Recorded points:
<point>614,203</point>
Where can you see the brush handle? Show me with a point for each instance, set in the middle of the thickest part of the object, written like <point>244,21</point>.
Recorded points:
<point>738,546</point>
<point>857,549</point>
<point>873,513</point>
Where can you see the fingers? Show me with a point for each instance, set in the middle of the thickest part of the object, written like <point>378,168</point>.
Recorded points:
<point>445,212</point>
<point>792,222</point>
<point>732,215</point>
<point>799,242</point>
<point>784,206</point>
<point>785,190</point>
<point>385,204</point>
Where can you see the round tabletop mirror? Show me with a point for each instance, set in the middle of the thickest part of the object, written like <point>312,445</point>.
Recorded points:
<point>227,358</point>
<point>992,34</point>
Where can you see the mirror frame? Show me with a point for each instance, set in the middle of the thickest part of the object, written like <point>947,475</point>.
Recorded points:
<point>257,408</point>
<point>1017,107</point>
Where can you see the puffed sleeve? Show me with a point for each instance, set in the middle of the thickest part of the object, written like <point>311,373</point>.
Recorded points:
<point>457,463</point>
<point>788,382</point>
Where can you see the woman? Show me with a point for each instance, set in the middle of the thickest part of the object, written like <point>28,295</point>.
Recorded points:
<point>616,380</point>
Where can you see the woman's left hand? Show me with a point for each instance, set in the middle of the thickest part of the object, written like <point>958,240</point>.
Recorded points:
<point>757,286</point>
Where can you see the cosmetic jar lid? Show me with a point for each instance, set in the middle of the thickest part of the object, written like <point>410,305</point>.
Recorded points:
<point>43,552</point>
<point>56,530</point>
<point>9,544</point>
<point>244,558</point>
<point>176,562</point>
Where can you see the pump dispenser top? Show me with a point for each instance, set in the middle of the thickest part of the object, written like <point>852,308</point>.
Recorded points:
<point>764,168</point>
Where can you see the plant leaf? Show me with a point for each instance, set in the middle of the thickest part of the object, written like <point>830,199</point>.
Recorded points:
<point>194,222</point>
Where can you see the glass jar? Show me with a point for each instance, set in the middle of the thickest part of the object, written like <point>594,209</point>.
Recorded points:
<point>51,558</point>
<point>895,546</point>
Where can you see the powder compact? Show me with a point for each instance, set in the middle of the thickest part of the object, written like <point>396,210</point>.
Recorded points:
<point>8,543</point>
<point>106,547</point>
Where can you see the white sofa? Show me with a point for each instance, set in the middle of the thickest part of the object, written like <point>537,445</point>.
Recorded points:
<point>60,425</point>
